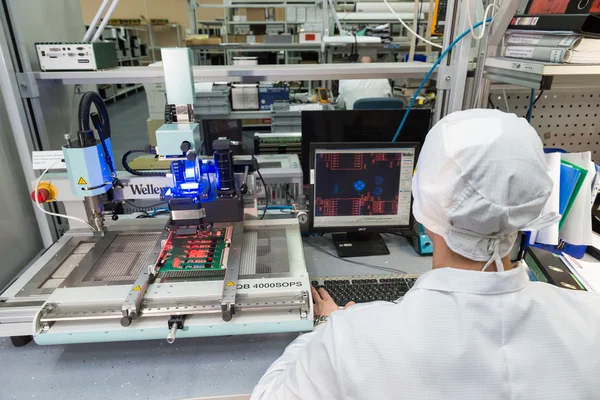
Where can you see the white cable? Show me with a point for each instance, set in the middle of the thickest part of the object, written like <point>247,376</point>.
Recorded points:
<point>505,100</point>
<point>409,29</point>
<point>37,187</point>
<point>488,9</point>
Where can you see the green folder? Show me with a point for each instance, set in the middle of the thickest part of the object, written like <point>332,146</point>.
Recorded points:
<point>582,174</point>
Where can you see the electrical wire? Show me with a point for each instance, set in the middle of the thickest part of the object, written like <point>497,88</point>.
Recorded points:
<point>531,100</point>
<point>408,28</point>
<point>257,167</point>
<point>266,194</point>
<point>490,102</point>
<point>144,207</point>
<point>428,76</point>
<point>384,269</point>
<point>485,18</point>
<point>532,103</point>
<point>37,187</point>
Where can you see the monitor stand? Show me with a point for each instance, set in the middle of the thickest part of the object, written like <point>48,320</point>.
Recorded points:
<point>360,244</point>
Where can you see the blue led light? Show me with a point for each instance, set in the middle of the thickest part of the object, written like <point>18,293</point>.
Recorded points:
<point>191,180</point>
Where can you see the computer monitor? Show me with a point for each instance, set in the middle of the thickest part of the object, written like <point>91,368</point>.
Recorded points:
<point>361,189</point>
<point>360,126</point>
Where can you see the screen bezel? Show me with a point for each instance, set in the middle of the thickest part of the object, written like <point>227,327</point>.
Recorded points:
<point>316,126</point>
<point>362,146</point>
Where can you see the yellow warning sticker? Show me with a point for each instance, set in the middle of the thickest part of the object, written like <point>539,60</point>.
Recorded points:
<point>81,181</point>
<point>137,289</point>
<point>230,283</point>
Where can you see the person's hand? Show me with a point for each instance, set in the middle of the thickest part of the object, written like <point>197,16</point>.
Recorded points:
<point>324,304</point>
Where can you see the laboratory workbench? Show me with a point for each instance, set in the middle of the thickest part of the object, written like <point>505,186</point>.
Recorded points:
<point>189,368</point>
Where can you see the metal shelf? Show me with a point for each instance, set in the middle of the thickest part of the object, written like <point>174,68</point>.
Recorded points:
<point>245,73</point>
<point>239,115</point>
<point>264,23</point>
<point>259,46</point>
<point>539,75</point>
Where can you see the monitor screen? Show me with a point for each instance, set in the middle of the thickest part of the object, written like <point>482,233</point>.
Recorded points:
<point>359,188</point>
<point>360,126</point>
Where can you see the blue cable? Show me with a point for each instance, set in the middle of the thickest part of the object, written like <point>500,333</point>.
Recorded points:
<point>157,210</point>
<point>530,111</point>
<point>435,64</point>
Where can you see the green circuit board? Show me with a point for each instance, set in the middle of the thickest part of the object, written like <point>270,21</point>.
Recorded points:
<point>198,254</point>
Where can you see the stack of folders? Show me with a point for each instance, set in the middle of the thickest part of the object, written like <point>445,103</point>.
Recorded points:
<point>576,183</point>
<point>586,272</point>
<point>553,47</point>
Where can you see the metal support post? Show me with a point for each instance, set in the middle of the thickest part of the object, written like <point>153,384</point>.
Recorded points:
<point>489,48</point>
<point>413,39</point>
<point>192,17</point>
<point>452,72</point>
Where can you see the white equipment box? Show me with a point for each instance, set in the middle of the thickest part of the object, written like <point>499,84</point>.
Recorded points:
<point>74,56</point>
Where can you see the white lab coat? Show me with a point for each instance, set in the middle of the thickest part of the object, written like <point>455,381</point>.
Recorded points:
<point>352,90</point>
<point>456,335</point>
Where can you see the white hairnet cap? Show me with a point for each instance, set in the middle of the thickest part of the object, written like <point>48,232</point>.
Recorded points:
<point>482,177</point>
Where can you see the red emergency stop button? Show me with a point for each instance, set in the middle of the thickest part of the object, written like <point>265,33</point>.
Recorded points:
<point>42,196</point>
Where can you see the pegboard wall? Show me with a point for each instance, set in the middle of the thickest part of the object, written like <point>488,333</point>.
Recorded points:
<point>565,118</point>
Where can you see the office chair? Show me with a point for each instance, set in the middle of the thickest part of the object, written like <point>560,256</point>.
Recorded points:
<point>379,103</point>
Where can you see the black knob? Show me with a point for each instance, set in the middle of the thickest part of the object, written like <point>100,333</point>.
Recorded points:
<point>125,322</point>
<point>185,146</point>
<point>115,217</point>
<point>227,316</point>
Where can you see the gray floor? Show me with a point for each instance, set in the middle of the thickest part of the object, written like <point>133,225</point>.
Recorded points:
<point>128,117</point>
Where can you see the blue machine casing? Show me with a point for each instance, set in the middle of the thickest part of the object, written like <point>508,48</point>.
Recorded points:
<point>422,243</point>
<point>89,173</point>
<point>170,136</point>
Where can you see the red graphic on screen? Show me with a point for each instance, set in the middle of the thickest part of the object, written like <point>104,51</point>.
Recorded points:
<point>548,7</point>
<point>357,184</point>
<point>595,7</point>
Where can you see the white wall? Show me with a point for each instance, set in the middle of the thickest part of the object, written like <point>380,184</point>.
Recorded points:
<point>19,235</point>
<point>36,21</point>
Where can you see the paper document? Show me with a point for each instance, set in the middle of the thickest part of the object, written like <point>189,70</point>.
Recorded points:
<point>587,272</point>
<point>549,235</point>
<point>577,227</point>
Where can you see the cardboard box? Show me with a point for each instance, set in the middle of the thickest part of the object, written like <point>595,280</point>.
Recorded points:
<point>236,38</point>
<point>256,14</point>
<point>153,125</point>
<point>192,41</point>
<point>280,14</point>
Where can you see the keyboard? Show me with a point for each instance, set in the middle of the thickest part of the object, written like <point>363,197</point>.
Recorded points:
<point>363,289</point>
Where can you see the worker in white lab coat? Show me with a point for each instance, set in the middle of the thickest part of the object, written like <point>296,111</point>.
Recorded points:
<point>355,89</point>
<point>474,327</point>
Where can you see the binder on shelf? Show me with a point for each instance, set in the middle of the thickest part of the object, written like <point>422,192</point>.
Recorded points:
<point>571,180</point>
<point>552,15</point>
<point>577,184</point>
